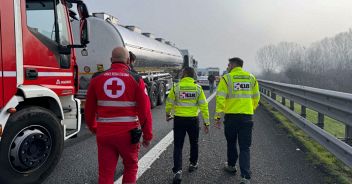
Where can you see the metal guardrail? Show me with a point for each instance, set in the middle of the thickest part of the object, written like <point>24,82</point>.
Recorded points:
<point>334,104</point>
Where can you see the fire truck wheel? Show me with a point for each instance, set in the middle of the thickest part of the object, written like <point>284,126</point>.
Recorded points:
<point>153,95</point>
<point>31,146</point>
<point>161,95</point>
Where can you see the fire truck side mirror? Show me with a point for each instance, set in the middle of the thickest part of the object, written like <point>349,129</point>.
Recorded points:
<point>64,50</point>
<point>84,32</point>
<point>82,10</point>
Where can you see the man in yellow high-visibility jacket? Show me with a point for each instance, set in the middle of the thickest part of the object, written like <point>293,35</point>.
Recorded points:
<point>237,97</point>
<point>185,99</point>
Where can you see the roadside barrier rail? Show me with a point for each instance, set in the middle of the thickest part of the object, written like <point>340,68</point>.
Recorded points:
<point>336,105</point>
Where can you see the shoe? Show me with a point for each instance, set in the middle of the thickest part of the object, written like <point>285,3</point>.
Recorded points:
<point>177,177</point>
<point>192,167</point>
<point>245,181</point>
<point>230,169</point>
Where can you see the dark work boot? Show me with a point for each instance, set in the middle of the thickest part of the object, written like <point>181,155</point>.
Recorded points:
<point>177,177</point>
<point>192,167</point>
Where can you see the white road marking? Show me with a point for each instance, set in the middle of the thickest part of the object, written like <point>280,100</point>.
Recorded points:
<point>147,160</point>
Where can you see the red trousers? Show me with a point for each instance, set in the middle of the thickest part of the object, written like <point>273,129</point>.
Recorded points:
<point>111,145</point>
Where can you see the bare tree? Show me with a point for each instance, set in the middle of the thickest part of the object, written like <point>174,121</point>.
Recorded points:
<point>324,64</point>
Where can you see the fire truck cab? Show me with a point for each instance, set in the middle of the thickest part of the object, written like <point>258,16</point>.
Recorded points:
<point>38,81</point>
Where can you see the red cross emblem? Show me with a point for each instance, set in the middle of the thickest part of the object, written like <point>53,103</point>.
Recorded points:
<point>114,87</point>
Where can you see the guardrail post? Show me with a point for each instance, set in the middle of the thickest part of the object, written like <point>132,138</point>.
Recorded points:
<point>292,105</point>
<point>283,101</point>
<point>320,120</point>
<point>303,111</point>
<point>273,95</point>
<point>348,134</point>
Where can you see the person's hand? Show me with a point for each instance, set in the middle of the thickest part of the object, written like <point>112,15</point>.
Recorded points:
<point>145,143</point>
<point>168,117</point>
<point>217,123</point>
<point>206,129</point>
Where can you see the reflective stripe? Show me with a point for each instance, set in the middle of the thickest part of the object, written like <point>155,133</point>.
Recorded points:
<point>229,83</point>
<point>118,119</point>
<point>202,101</point>
<point>177,90</point>
<point>241,77</point>
<point>255,95</point>
<point>220,93</point>
<point>170,100</point>
<point>239,96</point>
<point>8,73</point>
<point>55,74</point>
<point>184,104</point>
<point>198,92</point>
<point>116,103</point>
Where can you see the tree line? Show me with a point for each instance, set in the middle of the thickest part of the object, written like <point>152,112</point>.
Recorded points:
<point>325,64</point>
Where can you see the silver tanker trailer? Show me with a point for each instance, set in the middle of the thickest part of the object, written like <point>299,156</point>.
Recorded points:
<point>158,61</point>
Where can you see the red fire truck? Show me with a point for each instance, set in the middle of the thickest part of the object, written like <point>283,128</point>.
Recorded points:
<point>38,80</point>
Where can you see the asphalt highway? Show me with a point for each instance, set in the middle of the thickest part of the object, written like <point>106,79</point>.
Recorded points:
<point>276,158</point>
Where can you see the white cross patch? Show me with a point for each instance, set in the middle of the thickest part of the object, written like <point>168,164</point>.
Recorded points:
<point>114,87</point>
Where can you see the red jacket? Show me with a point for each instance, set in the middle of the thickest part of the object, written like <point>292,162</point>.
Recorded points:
<point>116,100</point>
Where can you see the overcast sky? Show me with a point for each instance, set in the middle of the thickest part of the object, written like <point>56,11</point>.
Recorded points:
<point>215,30</point>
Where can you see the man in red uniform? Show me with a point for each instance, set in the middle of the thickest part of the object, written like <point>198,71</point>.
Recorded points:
<point>117,104</point>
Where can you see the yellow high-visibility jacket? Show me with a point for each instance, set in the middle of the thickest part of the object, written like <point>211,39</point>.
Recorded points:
<point>237,93</point>
<point>186,99</point>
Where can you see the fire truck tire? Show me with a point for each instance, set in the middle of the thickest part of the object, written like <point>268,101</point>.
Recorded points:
<point>31,146</point>
<point>153,95</point>
<point>161,95</point>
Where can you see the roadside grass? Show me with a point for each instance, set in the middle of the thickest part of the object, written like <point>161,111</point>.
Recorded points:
<point>332,126</point>
<point>336,171</point>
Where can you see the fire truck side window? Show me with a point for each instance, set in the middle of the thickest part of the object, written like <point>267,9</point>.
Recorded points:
<point>41,17</point>
<point>41,22</point>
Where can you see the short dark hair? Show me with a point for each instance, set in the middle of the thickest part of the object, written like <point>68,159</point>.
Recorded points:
<point>237,61</point>
<point>132,56</point>
<point>189,72</point>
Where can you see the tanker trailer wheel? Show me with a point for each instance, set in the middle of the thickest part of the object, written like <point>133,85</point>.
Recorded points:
<point>162,93</point>
<point>153,95</point>
<point>31,146</point>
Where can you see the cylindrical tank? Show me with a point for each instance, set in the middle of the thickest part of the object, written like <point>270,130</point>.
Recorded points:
<point>152,55</point>
<point>150,52</point>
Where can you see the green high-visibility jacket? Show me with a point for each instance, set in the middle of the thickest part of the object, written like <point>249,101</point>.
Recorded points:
<point>237,93</point>
<point>186,99</point>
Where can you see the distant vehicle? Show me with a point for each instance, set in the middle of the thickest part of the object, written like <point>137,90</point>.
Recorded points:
<point>209,71</point>
<point>202,72</point>
<point>203,81</point>
<point>215,71</point>
<point>189,59</point>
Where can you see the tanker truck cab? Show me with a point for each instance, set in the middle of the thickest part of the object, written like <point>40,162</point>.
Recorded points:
<point>38,80</point>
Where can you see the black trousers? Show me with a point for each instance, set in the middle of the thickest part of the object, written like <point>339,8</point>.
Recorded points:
<point>181,126</point>
<point>239,127</point>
